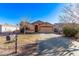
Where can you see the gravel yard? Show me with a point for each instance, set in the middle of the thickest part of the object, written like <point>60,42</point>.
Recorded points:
<point>40,44</point>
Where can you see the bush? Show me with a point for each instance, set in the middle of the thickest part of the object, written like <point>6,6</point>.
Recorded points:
<point>69,31</point>
<point>77,36</point>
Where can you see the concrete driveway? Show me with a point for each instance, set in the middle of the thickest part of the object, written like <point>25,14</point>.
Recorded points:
<point>57,45</point>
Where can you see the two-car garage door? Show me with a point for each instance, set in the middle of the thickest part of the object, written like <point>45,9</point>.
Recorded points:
<point>46,29</point>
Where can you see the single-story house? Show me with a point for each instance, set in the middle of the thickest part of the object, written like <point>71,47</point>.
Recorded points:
<point>8,28</point>
<point>41,26</point>
<point>37,26</point>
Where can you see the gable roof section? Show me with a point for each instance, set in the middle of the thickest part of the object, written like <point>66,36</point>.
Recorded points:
<point>37,22</point>
<point>41,22</point>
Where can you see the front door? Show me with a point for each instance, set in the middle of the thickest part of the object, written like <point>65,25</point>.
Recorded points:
<point>36,28</point>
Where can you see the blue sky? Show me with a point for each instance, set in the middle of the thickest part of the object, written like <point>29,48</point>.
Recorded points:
<point>13,13</point>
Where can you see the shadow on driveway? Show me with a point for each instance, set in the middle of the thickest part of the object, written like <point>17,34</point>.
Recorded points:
<point>54,46</point>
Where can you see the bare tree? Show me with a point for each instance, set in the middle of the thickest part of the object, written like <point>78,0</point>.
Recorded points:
<point>23,26</point>
<point>70,14</point>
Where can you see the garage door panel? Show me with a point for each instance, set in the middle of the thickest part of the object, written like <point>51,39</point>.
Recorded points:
<point>46,29</point>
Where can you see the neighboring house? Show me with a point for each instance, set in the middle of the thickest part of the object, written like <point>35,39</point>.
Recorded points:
<point>41,26</point>
<point>8,28</point>
<point>58,27</point>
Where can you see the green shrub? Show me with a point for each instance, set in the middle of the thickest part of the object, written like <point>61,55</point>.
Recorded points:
<point>69,31</point>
